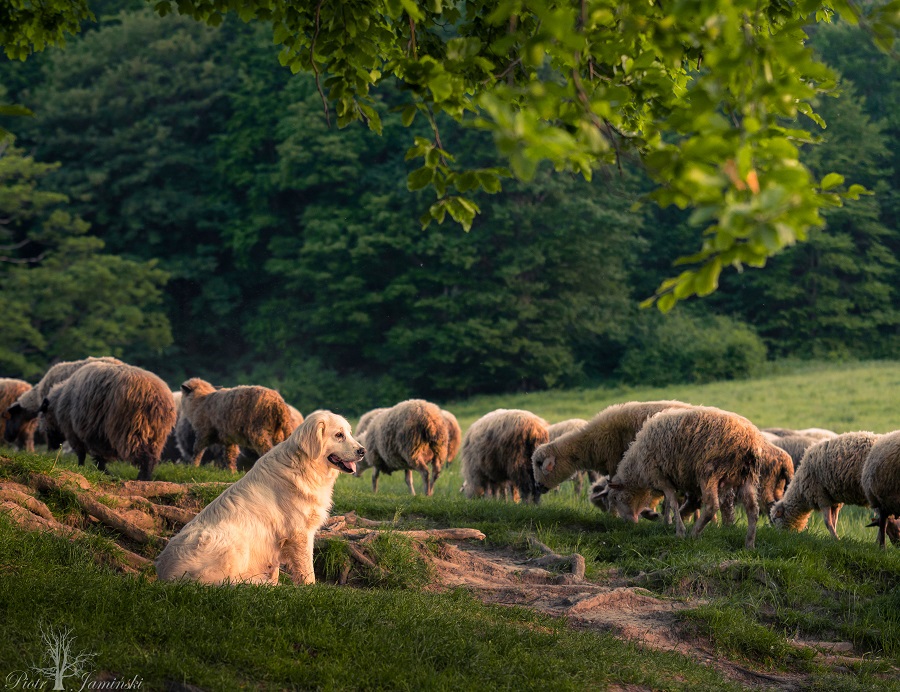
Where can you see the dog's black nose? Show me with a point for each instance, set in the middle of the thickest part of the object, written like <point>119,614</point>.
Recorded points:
<point>361,452</point>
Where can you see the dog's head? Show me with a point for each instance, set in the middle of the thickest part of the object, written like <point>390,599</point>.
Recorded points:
<point>326,436</point>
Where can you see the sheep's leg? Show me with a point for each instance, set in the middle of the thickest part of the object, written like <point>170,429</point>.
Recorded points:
<point>882,525</point>
<point>146,465</point>
<point>727,507</point>
<point>101,463</point>
<point>751,504</point>
<point>671,497</point>
<point>199,448</point>
<point>411,485</point>
<point>297,554</point>
<point>375,473</point>
<point>709,500</point>
<point>829,514</point>
<point>435,472</point>
<point>837,508</point>
<point>578,482</point>
<point>230,457</point>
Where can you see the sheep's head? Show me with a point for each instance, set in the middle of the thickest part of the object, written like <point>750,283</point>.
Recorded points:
<point>14,418</point>
<point>599,494</point>
<point>782,518</point>
<point>195,387</point>
<point>777,470</point>
<point>631,504</point>
<point>548,469</point>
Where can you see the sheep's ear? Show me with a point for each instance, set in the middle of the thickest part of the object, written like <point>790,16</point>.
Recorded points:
<point>778,512</point>
<point>874,523</point>
<point>615,485</point>
<point>186,388</point>
<point>649,514</point>
<point>548,465</point>
<point>45,404</point>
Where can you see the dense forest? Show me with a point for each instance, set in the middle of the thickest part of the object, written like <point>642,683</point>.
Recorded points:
<point>179,200</point>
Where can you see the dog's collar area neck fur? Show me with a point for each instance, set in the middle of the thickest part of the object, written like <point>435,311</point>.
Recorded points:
<point>342,465</point>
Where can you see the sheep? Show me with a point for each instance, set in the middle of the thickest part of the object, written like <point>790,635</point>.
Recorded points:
<point>496,453</point>
<point>23,435</point>
<point>700,451</point>
<point>454,435</point>
<point>407,437</point>
<point>829,476</point>
<point>598,446</point>
<point>775,473</point>
<point>795,445</point>
<point>881,484</point>
<point>170,451</point>
<point>815,433</point>
<point>250,416</point>
<point>366,419</point>
<point>112,411</point>
<point>27,407</point>
<point>556,431</point>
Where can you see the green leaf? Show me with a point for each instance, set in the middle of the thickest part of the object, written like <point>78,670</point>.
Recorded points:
<point>832,180</point>
<point>419,178</point>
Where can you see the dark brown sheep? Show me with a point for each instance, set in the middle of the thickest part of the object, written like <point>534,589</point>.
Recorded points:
<point>256,418</point>
<point>27,407</point>
<point>407,437</point>
<point>21,435</point>
<point>112,412</point>
<point>496,453</point>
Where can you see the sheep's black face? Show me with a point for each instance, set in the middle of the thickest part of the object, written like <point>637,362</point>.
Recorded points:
<point>14,418</point>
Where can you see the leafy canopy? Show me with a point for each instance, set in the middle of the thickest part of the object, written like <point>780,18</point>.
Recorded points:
<point>705,94</point>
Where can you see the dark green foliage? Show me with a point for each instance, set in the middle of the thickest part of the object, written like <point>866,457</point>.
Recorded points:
<point>62,297</point>
<point>683,348</point>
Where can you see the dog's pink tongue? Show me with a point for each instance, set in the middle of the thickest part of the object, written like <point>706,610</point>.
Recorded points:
<point>351,466</point>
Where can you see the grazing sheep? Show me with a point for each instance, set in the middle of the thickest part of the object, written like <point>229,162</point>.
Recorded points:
<point>253,417</point>
<point>598,446</point>
<point>795,445</point>
<point>27,407</point>
<point>496,453</point>
<point>454,435</point>
<point>881,483</point>
<point>112,412</point>
<point>775,473</point>
<point>170,451</point>
<point>366,419</point>
<point>556,431</point>
<point>23,434</point>
<point>407,437</point>
<point>815,433</point>
<point>700,451</point>
<point>829,476</point>
<point>271,515</point>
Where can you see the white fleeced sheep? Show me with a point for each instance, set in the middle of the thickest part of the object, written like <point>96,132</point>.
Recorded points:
<point>112,412</point>
<point>496,454</point>
<point>253,417</point>
<point>881,484</point>
<point>407,437</point>
<point>829,477</point>
<point>598,446</point>
<point>700,451</point>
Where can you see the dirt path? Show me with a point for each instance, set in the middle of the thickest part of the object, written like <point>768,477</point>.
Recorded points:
<point>633,613</point>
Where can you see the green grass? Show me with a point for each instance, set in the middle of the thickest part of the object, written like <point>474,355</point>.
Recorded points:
<point>752,605</point>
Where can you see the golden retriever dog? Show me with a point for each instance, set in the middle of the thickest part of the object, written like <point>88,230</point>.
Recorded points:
<point>270,516</point>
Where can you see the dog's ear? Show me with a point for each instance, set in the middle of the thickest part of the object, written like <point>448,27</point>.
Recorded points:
<point>312,436</point>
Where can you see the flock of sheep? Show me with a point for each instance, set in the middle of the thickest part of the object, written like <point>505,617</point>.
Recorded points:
<point>697,460</point>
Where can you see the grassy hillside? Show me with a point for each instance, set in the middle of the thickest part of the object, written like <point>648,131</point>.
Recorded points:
<point>753,607</point>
